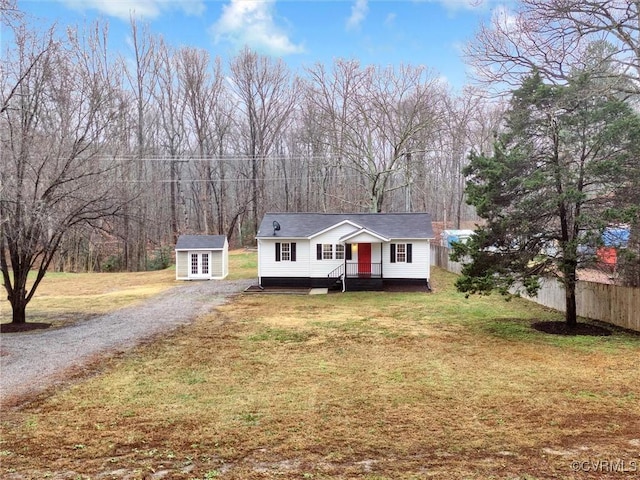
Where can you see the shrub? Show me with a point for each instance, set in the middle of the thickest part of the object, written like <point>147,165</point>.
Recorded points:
<point>160,259</point>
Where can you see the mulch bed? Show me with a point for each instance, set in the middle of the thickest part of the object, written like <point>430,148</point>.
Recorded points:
<point>406,288</point>
<point>561,328</point>
<point>277,290</point>
<point>305,291</point>
<point>22,327</point>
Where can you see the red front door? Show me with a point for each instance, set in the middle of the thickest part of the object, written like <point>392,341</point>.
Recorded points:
<point>364,259</point>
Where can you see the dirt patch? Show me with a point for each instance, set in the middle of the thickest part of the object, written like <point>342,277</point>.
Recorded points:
<point>561,328</point>
<point>277,290</point>
<point>23,327</point>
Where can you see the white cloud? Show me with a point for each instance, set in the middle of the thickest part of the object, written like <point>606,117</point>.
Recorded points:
<point>390,19</point>
<point>504,19</point>
<point>456,5</point>
<point>443,81</point>
<point>251,23</point>
<point>359,11</point>
<point>123,9</point>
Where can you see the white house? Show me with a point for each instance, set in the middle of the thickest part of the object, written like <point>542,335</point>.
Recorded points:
<point>349,251</point>
<point>202,257</point>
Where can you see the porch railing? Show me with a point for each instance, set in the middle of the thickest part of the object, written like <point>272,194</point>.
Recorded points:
<point>364,270</point>
<point>336,272</point>
<point>358,270</point>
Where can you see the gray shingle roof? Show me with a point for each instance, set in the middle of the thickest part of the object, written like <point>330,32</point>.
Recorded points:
<point>390,225</point>
<point>200,242</point>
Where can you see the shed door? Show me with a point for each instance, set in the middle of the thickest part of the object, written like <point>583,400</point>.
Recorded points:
<point>199,265</point>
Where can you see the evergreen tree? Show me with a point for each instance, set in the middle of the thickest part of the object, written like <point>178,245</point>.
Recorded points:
<point>549,188</point>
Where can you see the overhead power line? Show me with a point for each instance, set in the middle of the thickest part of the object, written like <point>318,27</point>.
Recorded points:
<point>237,180</point>
<point>229,158</point>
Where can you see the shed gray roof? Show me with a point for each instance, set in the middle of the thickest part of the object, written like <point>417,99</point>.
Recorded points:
<point>200,242</point>
<point>390,225</point>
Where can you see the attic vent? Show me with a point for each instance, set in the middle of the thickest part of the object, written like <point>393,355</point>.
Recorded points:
<point>276,227</point>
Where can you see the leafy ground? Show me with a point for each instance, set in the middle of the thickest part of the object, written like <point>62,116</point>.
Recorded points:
<point>356,385</point>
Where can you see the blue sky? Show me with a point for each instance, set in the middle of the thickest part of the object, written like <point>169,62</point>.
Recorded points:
<point>302,32</point>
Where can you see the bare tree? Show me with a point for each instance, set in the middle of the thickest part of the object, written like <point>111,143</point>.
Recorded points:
<point>171,103</point>
<point>552,37</point>
<point>141,74</point>
<point>10,15</point>
<point>319,172</point>
<point>222,127</point>
<point>267,97</point>
<point>470,125</point>
<point>57,99</point>
<point>201,91</point>
<point>378,117</point>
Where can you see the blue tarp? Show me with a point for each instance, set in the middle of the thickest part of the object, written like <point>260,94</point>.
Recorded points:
<point>616,237</point>
<point>451,236</point>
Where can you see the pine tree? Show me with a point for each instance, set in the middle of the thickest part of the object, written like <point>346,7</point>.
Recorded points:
<point>549,188</point>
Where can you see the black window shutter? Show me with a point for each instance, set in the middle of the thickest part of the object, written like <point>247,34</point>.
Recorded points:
<point>348,251</point>
<point>277,251</point>
<point>409,252</point>
<point>318,251</point>
<point>393,253</point>
<point>293,251</point>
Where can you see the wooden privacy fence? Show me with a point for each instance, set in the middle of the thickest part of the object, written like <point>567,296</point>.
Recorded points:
<point>600,301</point>
<point>440,258</point>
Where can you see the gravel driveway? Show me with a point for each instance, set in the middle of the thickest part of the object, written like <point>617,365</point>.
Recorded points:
<point>31,362</point>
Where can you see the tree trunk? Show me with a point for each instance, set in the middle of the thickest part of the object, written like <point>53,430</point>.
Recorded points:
<point>172,201</point>
<point>630,258</point>
<point>570,268</point>
<point>19,307</point>
<point>254,193</point>
<point>571,316</point>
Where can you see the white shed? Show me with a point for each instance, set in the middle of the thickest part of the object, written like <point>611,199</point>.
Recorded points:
<point>202,257</point>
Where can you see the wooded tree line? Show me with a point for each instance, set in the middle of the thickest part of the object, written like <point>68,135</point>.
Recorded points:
<point>191,145</point>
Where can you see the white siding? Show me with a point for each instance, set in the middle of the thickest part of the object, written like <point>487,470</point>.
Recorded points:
<point>268,267</point>
<point>307,265</point>
<point>364,238</point>
<point>220,262</point>
<point>225,259</point>
<point>216,264</point>
<point>418,268</point>
<point>182,262</point>
<point>321,268</point>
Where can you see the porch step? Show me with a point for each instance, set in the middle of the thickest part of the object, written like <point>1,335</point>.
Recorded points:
<point>318,291</point>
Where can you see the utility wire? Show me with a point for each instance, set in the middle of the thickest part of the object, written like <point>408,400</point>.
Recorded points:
<point>236,180</point>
